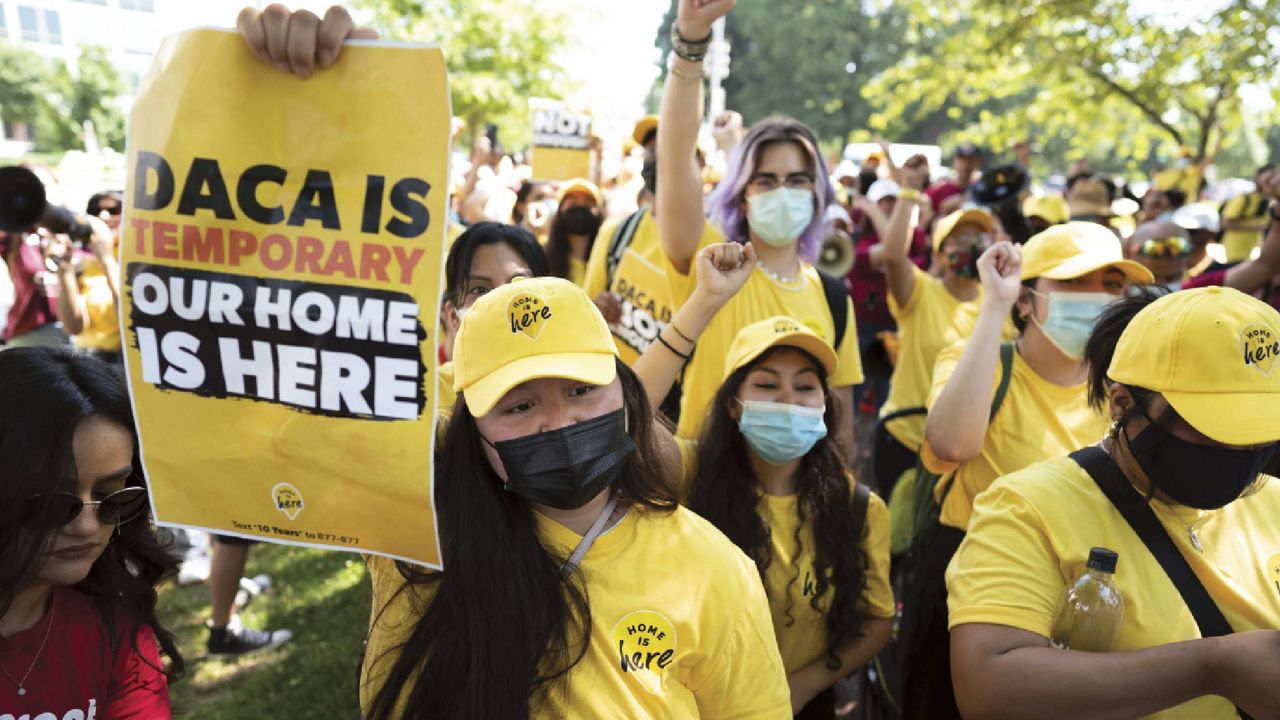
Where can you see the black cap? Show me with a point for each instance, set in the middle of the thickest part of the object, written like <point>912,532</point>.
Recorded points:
<point>1103,559</point>
<point>999,185</point>
<point>968,150</point>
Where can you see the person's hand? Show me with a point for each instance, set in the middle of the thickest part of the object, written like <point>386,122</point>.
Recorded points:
<point>723,269</point>
<point>484,153</point>
<point>895,172</point>
<point>57,250</point>
<point>610,307</point>
<point>102,242</point>
<point>457,126</point>
<point>802,691</point>
<point>1245,669</point>
<point>694,18</point>
<point>298,42</point>
<point>1000,269</point>
<point>727,130</point>
<point>1269,184</point>
<point>916,176</point>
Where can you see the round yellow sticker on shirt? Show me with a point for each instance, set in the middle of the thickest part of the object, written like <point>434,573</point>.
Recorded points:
<point>646,643</point>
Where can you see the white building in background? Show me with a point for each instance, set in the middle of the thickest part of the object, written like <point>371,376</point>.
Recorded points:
<point>130,30</point>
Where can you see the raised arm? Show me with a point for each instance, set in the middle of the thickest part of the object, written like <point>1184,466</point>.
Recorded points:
<point>70,308</point>
<point>722,270</point>
<point>957,422</point>
<point>679,203</point>
<point>1004,672</point>
<point>895,245</point>
<point>1250,275</point>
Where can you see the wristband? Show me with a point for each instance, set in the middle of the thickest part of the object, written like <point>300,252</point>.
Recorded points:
<point>909,194</point>
<point>676,352</point>
<point>682,73</point>
<point>691,50</point>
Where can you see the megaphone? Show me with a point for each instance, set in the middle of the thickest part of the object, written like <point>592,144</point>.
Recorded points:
<point>836,255</point>
<point>23,205</point>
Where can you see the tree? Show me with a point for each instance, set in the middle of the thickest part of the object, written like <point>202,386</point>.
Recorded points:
<point>1091,77</point>
<point>499,53</point>
<point>808,61</point>
<point>91,95</point>
<point>24,79</point>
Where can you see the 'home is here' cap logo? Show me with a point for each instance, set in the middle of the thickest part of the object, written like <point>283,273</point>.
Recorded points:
<point>528,313</point>
<point>287,500</point>
<point>1261,347</point>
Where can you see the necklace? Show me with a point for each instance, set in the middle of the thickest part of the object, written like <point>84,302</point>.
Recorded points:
<point>22,690</point>
<point>1192,527</point>
<point>780,279</point>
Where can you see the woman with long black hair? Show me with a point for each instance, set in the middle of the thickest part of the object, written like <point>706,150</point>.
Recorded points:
<point>79,561</point>
<point>767,474</point>
<point>574,585</point>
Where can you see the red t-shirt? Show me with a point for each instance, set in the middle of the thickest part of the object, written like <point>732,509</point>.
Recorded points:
<point>75,678</point>
<point>868,286</point>
<point>31,306</point>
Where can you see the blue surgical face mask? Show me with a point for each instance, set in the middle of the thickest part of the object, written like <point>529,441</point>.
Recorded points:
<point>1071,319</point>
<point>779,216</point>
<point>780,432</point>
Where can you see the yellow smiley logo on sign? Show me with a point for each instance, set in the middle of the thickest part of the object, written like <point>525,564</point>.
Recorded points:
<point>646,645</point>
<point>1261,347</point>
<point>528,314</point>
<point>1273,571</point>
<point>287,500</point>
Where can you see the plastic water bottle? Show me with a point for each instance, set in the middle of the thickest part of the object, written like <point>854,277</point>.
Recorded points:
<point>1093,608</point>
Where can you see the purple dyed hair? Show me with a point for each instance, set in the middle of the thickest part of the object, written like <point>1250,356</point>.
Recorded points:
<point>728,202</point>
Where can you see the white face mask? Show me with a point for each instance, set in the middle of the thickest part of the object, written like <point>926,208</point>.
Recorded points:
<point>779,216</point>
<point>1071,319</point>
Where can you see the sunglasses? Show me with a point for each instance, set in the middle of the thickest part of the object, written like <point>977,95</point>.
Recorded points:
<point>58,509</point>
<point>1166,247</point>
<point>109,209</point>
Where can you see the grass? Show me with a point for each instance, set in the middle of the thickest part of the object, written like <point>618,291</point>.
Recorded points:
<point>322,596</point>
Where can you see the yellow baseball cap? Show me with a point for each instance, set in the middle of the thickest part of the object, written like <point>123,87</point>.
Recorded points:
<point>1214,353</point>
<point>644,126</point>
<point>1053,208</point>
<point>976,215</point>
<point>582,185</point>
<point>528,329</point>
<point>759,336</point>
<point>1073,249</point>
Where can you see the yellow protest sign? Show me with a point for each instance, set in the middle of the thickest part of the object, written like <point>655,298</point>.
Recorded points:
<point>282,259</point>
<point>560,141</point>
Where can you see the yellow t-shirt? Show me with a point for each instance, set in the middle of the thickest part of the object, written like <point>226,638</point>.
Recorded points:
<point>1252,206</point>
<point>760,298</point>
<point>1030,538</point>
<point>577,271</point>
<point>667,591</point>
<point>1036,421</point>
<point>931,320</point>
<point>102,331</point>
<point>1187,179</point>
<point>641,281</point>
<point>801,629</point>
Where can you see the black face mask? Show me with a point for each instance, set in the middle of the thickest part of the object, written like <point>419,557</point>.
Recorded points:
<point>1198,476</point>
<point>580,221</point>
<point>565,468</point>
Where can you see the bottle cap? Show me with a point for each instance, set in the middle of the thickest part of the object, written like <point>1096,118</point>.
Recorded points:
<point>1103,559</point>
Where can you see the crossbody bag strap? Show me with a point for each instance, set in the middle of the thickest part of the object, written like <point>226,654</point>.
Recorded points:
<point>1135,510</point>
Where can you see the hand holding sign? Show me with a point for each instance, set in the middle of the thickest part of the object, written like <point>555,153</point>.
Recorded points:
<point>299,42</point>
<point>280,253</point>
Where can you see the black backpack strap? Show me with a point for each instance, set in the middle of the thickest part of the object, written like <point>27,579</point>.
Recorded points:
<point>838,302</point>
<point>618,244</point>
<point>1138,513</point>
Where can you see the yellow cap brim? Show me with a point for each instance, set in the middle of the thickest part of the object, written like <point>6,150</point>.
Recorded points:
<point>592,368</point>
<point>1233,419</point>
<point>1082,265</point>
<point>811,344</point>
